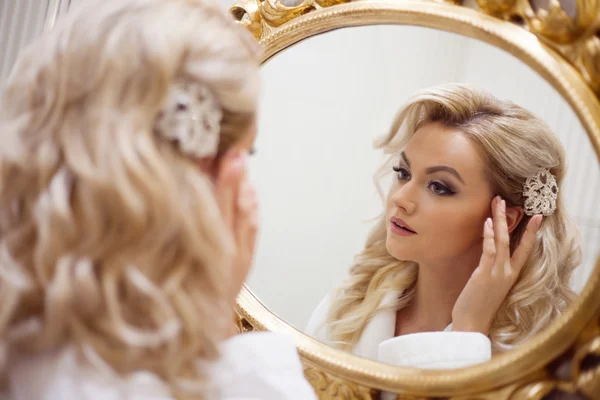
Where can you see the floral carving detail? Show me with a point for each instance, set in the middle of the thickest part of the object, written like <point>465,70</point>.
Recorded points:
<point>589,58</point>
<point>329,387</point>
<point>569,31</point>
<point>561,22</point>
<point>573,376</point>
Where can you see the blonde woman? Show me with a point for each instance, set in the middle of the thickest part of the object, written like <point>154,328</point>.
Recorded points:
<point>127,223</point>
<point>474,252</point>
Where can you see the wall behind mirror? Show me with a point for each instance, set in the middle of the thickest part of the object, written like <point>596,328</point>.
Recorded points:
<point>21,21</point>
<point>324,100</point>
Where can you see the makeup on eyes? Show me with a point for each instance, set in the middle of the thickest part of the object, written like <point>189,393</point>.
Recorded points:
<point>437,187</point>
<point>431,170</point>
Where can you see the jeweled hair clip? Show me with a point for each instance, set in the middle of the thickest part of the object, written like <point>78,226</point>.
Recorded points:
<point>541,191</point>
<point>191,118</point>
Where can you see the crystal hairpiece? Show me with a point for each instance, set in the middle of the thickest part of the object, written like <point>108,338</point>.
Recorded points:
<point>541,191</point>
<point>191,118</point>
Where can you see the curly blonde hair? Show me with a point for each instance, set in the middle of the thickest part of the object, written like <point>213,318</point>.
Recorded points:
<point>110,238</point>
<point>515,144</point>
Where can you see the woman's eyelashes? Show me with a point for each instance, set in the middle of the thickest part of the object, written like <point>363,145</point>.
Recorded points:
<point>403,174</point>
<point>439,188</point>
<point>435,186</point>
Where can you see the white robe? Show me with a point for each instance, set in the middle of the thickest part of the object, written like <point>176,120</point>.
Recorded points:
<point>253,366</point>
<point>427,350</point>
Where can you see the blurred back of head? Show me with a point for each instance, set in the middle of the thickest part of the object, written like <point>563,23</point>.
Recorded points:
<point>110,236</point>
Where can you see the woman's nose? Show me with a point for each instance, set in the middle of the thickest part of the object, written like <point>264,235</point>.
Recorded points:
<point>403,197</point>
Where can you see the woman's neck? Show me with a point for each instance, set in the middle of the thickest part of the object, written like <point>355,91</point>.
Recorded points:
<point>436,292</point>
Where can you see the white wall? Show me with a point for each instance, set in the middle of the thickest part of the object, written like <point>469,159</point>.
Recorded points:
<point>324,100</point>
<point>21,21</point>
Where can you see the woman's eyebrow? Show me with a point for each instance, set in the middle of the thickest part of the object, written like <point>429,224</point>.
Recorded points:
<point>435,169</point>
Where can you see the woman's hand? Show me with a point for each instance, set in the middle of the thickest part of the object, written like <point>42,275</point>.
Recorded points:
<point>478,303</point>
<point>239,207</point>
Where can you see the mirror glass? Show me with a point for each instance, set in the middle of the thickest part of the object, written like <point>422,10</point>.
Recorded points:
<point>324,102</point>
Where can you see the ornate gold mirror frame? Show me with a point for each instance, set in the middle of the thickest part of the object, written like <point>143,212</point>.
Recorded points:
<point>562,362</point>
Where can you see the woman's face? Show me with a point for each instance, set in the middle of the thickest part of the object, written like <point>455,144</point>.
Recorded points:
<point>442,195</point>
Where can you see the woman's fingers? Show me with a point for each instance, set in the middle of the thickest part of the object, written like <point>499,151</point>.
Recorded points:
<point>246,227</point>
<point>228,179</point>
<point>490,284</point>
<point>526,244</point>
<point>489,247</point>
<point>246,210</point>
<point>502,238</point>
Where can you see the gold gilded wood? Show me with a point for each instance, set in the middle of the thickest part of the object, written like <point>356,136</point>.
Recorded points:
<point>573,30</point>
<point>328,386</point>
<point>562,362</point>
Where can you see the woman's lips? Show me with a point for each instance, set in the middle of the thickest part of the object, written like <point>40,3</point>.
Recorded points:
<point>400,227</point>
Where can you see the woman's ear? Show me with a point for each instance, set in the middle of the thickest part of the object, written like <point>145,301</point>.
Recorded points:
<point>514,215</point>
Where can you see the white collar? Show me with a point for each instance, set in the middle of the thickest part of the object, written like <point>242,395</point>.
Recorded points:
<point>379,329</point>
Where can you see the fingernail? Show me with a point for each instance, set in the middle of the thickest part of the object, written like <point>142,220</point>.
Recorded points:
<point>489,223</point>
<point>243,203</point>
<point>241,158</point>
<point>503,205</point>
<point>245,200</point>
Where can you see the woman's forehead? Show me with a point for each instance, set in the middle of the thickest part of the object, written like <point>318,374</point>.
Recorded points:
<point>434,144</point>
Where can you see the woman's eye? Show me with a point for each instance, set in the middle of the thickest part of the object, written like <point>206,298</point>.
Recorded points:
<point>439,189</point>
<point>403,174</point>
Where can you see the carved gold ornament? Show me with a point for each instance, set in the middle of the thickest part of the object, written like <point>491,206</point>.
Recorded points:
<point>573,374</point>
<point>571,27</point>
<point>560,40</point>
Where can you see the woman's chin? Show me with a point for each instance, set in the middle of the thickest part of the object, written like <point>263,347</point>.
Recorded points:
<point>400,253</point>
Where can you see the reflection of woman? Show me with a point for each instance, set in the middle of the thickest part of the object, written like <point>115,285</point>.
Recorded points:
<point>461,247</point>
<point>127,223</point>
